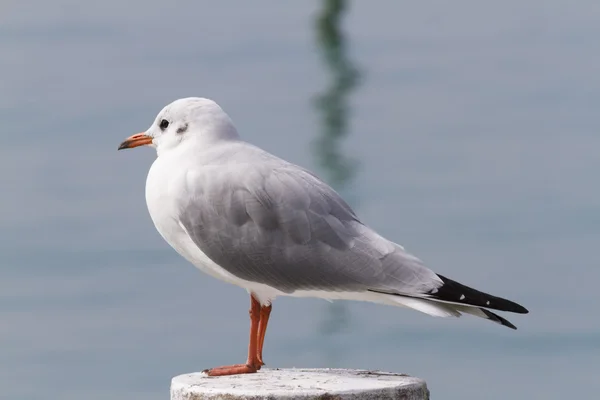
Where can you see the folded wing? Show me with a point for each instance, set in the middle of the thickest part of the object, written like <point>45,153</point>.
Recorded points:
<point>277,224</point>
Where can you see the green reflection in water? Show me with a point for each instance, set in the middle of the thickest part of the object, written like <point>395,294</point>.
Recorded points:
<point>339,169</point>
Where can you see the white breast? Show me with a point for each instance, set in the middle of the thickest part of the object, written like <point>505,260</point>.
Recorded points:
<point>164,185</point>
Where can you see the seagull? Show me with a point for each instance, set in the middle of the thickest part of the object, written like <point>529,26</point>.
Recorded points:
<point>249,218</point>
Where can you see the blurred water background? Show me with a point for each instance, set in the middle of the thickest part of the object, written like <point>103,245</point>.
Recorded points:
<point>466,131</point>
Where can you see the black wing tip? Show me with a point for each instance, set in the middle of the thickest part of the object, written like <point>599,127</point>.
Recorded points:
<point>520,309</point>
<point>510,306</point>
<point>455,292</point>
<point>498,319</point>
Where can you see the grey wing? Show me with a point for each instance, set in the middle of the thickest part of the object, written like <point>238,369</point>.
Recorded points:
<point>285,228</point>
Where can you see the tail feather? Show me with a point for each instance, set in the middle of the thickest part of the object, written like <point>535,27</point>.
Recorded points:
<point>453,298</point>
<point>443,309</point>
<point>433,308</point>
<point>486,314</point>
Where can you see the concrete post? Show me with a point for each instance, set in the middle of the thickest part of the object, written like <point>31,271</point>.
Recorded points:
<point>296,384</point>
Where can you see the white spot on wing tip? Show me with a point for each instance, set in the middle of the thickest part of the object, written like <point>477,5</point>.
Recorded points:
<point>487,302</point>
<point>462,297</point>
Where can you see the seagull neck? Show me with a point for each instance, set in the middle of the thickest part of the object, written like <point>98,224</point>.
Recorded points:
<point>213,134</point>
<point>209,138</point>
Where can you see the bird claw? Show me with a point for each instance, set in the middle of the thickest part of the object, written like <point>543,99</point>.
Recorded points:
<point>232,370</point>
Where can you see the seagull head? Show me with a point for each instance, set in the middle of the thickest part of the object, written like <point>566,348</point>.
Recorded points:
<point>192,120</point>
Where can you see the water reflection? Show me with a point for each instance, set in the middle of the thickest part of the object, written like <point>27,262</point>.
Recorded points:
<point>338,169</point>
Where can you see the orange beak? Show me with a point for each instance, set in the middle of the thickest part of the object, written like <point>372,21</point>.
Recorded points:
<point>139,139</point>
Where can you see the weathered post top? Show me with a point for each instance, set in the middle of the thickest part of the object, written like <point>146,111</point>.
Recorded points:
<point>296,384</point>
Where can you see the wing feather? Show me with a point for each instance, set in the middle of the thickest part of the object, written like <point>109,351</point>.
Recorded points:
<point>277,224</point>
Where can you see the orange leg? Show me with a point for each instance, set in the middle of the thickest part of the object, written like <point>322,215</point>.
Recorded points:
<point>252,363</point>
<point>265,312</point>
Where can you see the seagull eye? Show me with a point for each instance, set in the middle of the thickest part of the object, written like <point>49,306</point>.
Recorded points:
<point>164,124</point>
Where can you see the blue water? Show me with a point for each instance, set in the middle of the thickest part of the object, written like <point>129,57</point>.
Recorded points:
<point>476,130</point>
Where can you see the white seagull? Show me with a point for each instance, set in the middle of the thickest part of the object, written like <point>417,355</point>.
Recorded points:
<point>249,218</point>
